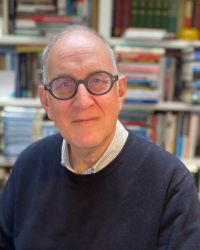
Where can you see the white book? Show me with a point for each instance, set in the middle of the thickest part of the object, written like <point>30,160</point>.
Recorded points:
<point>193,134</point>
<point>144,34</point>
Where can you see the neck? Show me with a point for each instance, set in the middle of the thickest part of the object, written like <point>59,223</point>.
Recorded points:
<point>82,159</point>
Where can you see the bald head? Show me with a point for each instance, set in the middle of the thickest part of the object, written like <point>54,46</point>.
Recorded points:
<point>76,39</point>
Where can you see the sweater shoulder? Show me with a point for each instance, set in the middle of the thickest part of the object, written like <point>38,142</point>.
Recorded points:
<point>45,147</point>
<point>152,160</point>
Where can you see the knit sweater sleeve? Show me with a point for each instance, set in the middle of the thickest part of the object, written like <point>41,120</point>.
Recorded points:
<point>7,204</point>
<point>10,198</point>
<point>180,225</point>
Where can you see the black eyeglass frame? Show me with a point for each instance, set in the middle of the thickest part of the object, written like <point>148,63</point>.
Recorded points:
<point>113,79</point>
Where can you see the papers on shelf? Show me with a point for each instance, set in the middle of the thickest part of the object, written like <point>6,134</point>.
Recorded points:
<point>144,33</point>
<point>7,83</point>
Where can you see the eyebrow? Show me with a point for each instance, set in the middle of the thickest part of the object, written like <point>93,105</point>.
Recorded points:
<point>71,77</point>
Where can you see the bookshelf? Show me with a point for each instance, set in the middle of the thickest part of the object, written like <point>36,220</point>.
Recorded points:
<point>12,40</point>
<point>105,19</point>
<point>192,163</point>
<point>177,14</point>
<point>104,27</point>
<point>165,106</point>
<point>19,102</point>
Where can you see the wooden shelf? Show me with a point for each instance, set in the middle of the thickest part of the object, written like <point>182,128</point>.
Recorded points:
<point>25,102</point>
<point>161,106</point>
<point>164,106</point>
<point>22,40</point>
<point>13,40</point>
<point>167,44</point>
<point>105,28</point>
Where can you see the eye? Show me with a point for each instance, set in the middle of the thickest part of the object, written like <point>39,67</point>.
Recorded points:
<point>66,84</point>
<point>96,80</point>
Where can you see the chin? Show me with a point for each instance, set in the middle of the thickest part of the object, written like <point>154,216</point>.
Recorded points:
<point>88,137</point>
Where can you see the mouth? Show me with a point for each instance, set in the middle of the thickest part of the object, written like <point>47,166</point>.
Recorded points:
<point>85,121</point>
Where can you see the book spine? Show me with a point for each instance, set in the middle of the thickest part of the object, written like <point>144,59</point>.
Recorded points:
<point>197,15</point>
<point>117,18</point>
<point>135,16</point>
<point>126,13</point>
<point>172,16</point>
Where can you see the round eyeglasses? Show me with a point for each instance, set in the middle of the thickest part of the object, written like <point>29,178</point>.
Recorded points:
<point>98,83</point>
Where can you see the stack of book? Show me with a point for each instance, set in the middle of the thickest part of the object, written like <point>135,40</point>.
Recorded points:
<point>47,17</point>
<point>28,70</point>
<point>20,71</point>
<point>143,68</point>
<point>176,132</point>
<point>136,121</point>
<point>24,12</point>
<point>144,34</point>
<point>191,75</point>
<point>20,127</point>
<point>48,128</point>
<point>7,72</point>
<point>50,25</point>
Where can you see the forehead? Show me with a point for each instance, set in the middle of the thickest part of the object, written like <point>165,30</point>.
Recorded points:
<point>79,46</point>
<point>78,43</point>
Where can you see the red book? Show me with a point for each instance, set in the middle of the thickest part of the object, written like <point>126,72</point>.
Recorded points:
<point>55,19</point>
<point>197,15</point>
<point>126,14</point>
<point>117,18</point>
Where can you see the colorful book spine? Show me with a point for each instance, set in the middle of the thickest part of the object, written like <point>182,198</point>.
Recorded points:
<point>117,18</point>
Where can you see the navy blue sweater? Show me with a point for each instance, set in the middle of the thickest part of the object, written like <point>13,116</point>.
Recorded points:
<point>145,199</point>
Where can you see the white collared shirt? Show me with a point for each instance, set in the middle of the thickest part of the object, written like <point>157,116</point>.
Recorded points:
<point>111,152</point>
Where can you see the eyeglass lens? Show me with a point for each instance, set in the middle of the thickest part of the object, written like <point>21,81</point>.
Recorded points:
<point>97,83</point>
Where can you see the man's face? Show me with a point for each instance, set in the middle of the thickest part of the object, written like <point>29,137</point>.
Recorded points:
<point>85,121</point>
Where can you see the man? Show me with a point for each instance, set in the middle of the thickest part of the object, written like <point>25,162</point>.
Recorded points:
<point>94,186</point>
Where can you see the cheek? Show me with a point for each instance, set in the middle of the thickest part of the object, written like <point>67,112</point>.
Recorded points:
<point>56,111</point>
<point>112,106</point>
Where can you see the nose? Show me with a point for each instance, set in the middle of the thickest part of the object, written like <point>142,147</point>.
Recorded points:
<point>83,99</point>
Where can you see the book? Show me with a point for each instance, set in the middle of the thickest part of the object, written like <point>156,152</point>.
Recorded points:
<point>172,21</point>
<point>21,126</point>
<point>56,19</point>
<point>160,132</point>
<point>35,8</point>
<point>143,68</point>
<point>126,13</point>
<point>193,131</point>
<point>7,83</point>
<point>117,18</point>
<point>93,14</point>
<point>169,78</point>
<point>197,14</point>
<point>144,34</point>
<point>5,17</point>
<point>170,132</point>
<point>179,135</point>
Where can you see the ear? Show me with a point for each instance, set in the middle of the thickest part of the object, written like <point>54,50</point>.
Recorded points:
<point>43,95</point>
<point>122,86</point>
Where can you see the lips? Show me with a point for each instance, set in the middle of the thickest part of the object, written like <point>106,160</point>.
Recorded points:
<point>85,121</point>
